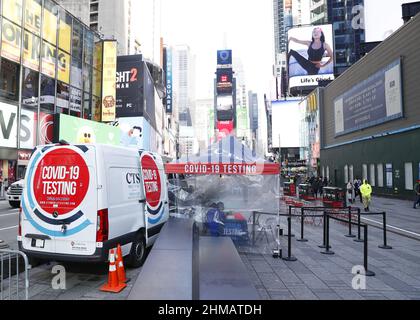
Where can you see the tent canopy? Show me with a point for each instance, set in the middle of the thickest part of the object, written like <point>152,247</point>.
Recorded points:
<point>228,156</point>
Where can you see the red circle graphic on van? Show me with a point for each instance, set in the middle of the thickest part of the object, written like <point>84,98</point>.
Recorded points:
<point>61,181</point>
<point>151,179</point>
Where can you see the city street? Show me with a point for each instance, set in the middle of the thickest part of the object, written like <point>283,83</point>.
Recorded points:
<point>8,224</point>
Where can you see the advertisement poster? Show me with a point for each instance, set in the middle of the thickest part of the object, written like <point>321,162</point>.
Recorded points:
<point>8,125</point>
<point>48,59</point>
<point>77,130</point>
<point>108,81</point>
<point>375,100</point>
<point>28,129</point>
<point>285,114</point>
<point>33,16</point>
<point>31,50</point>
<point>10,41</point>
<point>63,66</point>
<point>169,83</point>
<point>310,55</point>
<point>12,10</point>
<point>129,85</point>
<point>49,30</point>
<point>64,36</point>
<point>46,127</point>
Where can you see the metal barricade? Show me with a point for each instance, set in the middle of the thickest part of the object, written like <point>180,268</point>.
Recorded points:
<point>14,281</point>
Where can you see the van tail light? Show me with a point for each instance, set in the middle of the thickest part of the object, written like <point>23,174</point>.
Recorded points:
<point>102,226</point>
<point>20,222</point>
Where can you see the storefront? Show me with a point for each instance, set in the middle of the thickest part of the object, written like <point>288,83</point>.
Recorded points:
<point>49,63</point>
<point>370,118</point>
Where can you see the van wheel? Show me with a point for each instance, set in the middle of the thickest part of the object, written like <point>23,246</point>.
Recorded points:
<point>14,204</point>
<point>138,252</point>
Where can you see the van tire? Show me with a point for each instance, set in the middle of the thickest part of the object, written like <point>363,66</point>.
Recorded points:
<point>138,252</point>
<point>14,204</point>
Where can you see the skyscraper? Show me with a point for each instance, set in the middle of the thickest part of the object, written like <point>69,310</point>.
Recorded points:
<point>110,18</point>
<point>184,83</point>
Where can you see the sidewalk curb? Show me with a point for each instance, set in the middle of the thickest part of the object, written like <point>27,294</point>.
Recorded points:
<point>389,228</point>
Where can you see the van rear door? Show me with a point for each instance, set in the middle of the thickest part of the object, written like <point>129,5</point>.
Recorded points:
<point>155,189</point>
<point>60,201</point>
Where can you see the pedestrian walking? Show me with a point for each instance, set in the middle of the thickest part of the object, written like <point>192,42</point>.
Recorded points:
<point>417,191</point>
<point>315,187</point>
<point>366,191</point>
<point>350,192</point>
<point>357,184</point>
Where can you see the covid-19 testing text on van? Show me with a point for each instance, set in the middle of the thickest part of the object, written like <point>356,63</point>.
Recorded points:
<point>79,201</point>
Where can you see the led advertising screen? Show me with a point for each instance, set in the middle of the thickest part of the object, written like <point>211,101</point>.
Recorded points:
<point>129,86</point>
<point>224,81</point>
<point>224,108</point>
<point>224,57</point>
<point>310,55</point>
<point>286,116</point>
<point>373,101</point>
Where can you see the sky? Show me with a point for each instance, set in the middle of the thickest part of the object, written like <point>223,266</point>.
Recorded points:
<point>247,26</point>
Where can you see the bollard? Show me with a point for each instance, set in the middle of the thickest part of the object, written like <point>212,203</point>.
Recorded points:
<point>290,215</point>
<point>324,224</point>
<point>302,213</point>
<point>368,273</point>
<point>358,227</point>
<point>289,241</point>
<point>385,245</point>
<point>327,237</point>
<point>350,235</point>
<point>253,228</point>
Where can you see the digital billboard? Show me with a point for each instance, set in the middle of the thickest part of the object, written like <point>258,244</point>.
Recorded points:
<point>108,80</point>
<point>310,55</point>
<point>224,108</point>
<point>286,117</point>
<point>77,130</point>
<point>373,101</point>
<point>224,57</point>
<point>129,86</point>
<point>224,81</point>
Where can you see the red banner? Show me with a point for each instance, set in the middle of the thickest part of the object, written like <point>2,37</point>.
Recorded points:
<point>223,168</point>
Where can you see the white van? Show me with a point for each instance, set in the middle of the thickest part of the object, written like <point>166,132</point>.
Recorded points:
<point>79,201</point>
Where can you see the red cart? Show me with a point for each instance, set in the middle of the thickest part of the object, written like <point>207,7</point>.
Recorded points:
<point>289,189</point>
<point>306,192</point>
<point>333,197</point>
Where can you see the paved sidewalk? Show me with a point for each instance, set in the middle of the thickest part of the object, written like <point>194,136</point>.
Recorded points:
<point>315,276</point>
<point>400,213</point>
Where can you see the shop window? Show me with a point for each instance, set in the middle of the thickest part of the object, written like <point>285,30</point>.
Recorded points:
<point>76,73</point>
<point>77,40</point>
<point>88,45</point>
<point>75,102</point>
<point>9,80</point>
<point>96,108</point>
<point>380,171</point>
<point>62,97</point>
<point>30,88</point>
<point>12,9</point>
<point>64,31</point>
<point>31,50</point>
<point>372,179</point>
<point>33,16</point>
<point>408,169</point>
<point>47,98</point>
<point>87,77</point>
<point>49,24</point>
<point>87,107</point>
<point>11,41</point>
<point>364,172</point>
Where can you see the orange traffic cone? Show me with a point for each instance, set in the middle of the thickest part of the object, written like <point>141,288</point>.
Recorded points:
<point>120,266</point>
<point>113,285</point>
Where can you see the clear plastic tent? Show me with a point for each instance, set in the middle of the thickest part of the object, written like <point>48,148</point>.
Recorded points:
<point>231,186</point>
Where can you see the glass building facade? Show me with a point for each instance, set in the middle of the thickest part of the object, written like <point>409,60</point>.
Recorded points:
<point>347,36</point>
<point>49,63</point>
